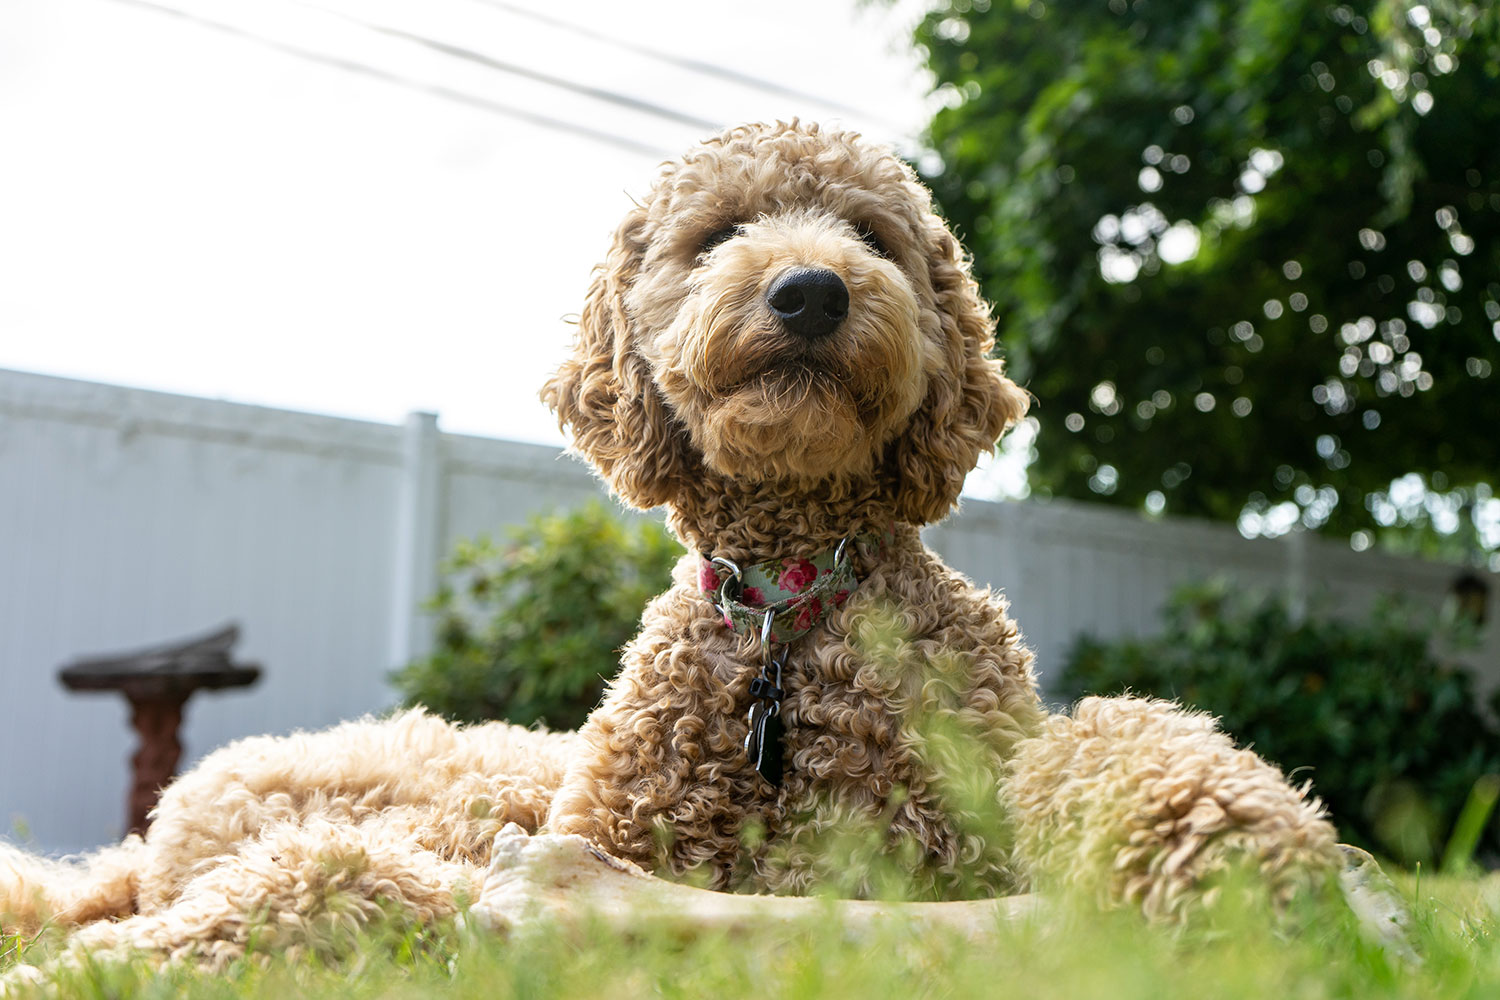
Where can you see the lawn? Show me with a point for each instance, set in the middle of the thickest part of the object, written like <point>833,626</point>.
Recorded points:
<point>1317,952</point>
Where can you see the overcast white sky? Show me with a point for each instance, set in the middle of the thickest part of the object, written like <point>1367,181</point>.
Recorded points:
<point>188,210</point>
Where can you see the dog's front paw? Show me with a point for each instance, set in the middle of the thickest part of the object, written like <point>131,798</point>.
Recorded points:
<point>1376,902</point>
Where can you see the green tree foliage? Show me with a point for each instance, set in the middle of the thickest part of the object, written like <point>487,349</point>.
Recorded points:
<point>1391,738</point>
<point>1245,253</point>
<point>530,631</point>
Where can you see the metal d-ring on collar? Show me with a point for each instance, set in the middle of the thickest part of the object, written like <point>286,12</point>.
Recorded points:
<point>735,575</point>
<point>763,686</point>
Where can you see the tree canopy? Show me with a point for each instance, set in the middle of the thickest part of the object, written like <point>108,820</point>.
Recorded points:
<point>1244,253</point>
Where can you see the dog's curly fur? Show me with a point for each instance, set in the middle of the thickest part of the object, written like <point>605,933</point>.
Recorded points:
<point>913,725</point>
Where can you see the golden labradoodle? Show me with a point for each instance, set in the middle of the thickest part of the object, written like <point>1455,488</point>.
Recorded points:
<point>786,350</point>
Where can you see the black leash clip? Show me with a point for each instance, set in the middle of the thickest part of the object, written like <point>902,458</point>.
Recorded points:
<point>763,741</point>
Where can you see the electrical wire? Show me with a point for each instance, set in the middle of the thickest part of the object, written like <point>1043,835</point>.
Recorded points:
<point>470,55</point>
<point>682,62</point>
<point>434,90</point>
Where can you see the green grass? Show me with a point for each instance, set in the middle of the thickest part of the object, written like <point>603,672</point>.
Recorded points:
<point>1318,953</point>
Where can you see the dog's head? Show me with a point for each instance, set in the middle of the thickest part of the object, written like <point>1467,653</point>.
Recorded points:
<point>785,307</point>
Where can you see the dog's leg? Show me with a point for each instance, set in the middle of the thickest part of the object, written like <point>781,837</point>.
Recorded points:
<point>298,888</point>
<point>469,781</point>
<point>33,889</point>
<point>1139,802</point>
<point>658,775</point>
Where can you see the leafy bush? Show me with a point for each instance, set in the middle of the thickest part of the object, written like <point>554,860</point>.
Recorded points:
<point>1392,739</point>
<point>530,631</point>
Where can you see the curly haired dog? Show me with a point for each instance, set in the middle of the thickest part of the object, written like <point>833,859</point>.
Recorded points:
<point>785,349</point>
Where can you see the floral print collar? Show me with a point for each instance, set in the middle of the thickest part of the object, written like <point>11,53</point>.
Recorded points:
<point>797,594</point>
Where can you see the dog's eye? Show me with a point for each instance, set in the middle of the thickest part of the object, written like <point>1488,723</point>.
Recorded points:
<point>869,238</point>
<point>715,238</point>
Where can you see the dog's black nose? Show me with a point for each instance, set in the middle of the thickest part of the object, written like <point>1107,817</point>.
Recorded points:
<point>811,302</point>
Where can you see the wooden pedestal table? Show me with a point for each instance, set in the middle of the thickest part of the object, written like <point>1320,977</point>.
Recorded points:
<point>158,682</point>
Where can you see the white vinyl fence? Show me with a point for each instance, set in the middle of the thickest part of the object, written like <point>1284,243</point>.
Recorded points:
<point>128,518</point>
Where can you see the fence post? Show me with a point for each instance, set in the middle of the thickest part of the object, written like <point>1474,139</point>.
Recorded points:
<point>1296,574</point>
<point>418,537</point>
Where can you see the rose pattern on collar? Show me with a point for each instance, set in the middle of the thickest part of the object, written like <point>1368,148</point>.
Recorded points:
<point>798,593</point>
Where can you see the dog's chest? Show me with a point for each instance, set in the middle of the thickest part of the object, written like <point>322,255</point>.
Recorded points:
<point>870,719</point>
<point>839,728</point>
<point>889,752</point>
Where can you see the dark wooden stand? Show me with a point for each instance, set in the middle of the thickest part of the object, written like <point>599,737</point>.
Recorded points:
<point>158,682</point>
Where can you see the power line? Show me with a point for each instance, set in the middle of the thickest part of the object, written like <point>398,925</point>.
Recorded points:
<point>435,90</point>
<point>682,62</point>
<point>470,55</point>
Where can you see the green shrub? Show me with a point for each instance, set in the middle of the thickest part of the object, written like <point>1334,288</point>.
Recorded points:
<point>1392,739</point>
<point>531,630</point>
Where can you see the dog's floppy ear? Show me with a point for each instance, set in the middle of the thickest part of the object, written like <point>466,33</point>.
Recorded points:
<point>604,393</point>
<point>969,403</point>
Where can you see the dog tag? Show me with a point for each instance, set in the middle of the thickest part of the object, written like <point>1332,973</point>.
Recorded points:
<point>763,743</point>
